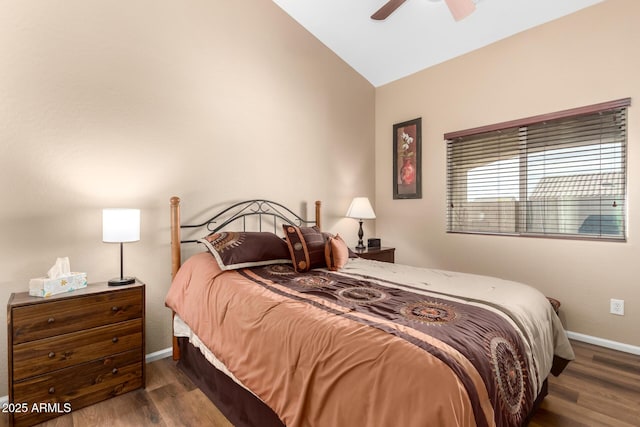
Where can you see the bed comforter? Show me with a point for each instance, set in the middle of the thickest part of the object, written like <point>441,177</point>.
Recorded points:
<point>375,344</point>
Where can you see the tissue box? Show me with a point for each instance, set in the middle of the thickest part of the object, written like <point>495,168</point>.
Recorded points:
<point>45,287</point>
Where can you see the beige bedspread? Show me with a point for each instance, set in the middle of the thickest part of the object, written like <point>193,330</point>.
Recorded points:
<point>325,349</point>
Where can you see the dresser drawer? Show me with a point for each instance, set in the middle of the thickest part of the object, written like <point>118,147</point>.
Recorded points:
<point>78,386</point>
<point>32,322</point>
<point>49,354</point>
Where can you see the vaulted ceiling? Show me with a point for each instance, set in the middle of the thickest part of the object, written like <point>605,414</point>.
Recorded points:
<point>420,33</point>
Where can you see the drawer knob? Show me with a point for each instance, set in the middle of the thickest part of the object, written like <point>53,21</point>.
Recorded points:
<point>50,320</point>
<point>114,371</point>
<point>114,340</point>
<point>52,390</point>
<point>115,308</point>
<point>51,355</point>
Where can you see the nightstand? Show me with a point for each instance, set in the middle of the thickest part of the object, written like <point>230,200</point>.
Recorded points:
<point>71,350</point>
<point>377,254</point>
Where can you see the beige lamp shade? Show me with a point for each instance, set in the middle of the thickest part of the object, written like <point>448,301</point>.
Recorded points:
<point>360,208</point>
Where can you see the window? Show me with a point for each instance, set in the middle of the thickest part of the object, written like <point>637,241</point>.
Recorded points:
<point>561,174</point>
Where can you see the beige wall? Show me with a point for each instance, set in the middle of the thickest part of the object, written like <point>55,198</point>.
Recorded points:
<point>586,58</point>
<point>111,104</point>
<point>106,105</point>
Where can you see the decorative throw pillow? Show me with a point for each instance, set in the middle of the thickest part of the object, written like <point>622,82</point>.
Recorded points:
<point>336,253</point>
<point>555,304</point>
<point>306,247</point>
<point>233,250</point>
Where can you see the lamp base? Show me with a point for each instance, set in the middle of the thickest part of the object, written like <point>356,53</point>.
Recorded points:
<point>360,246</point>
<point>119,281</point>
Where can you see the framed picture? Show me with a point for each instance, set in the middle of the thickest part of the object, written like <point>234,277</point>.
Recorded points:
<point>407,159</point>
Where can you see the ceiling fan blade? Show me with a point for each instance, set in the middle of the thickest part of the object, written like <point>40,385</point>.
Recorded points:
<point>387,10</point>
<point>460,9</point>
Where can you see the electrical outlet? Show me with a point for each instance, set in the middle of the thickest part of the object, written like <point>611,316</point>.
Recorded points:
<point>617,307</point>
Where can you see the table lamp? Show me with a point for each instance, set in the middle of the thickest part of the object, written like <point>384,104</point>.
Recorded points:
<point>121,226</point>
<point>360,209</point>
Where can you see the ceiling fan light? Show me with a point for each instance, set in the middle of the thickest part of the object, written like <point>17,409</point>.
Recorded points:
<point>460,9</point>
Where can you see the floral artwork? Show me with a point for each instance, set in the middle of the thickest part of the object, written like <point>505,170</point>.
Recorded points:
<point>408,170</point>
<point>406,160</point>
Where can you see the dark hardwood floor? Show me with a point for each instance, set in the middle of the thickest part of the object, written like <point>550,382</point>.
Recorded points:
<point>600,388</point>
<point>170,399</point>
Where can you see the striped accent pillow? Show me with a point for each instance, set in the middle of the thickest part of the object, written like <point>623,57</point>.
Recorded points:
<point>306,247</point>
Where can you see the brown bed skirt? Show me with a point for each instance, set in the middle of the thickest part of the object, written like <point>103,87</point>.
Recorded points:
<point>242,408</point>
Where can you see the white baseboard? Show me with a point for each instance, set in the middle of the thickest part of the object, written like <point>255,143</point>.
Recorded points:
<point>614,345</point>
<point>160,354</point>
<point>151,357</point>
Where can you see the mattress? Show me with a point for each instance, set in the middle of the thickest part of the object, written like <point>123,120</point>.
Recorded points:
<point>373,344</point>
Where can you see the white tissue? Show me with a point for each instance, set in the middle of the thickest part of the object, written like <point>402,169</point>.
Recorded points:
<point>60,269</point>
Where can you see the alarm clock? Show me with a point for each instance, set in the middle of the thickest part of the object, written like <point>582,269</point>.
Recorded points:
<point>373,243</point>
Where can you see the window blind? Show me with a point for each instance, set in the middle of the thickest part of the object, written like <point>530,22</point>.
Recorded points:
<point>561,174</point>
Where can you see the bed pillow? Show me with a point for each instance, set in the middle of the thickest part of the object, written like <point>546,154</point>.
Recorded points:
<point>336,253</point>
<point>233,250</point>
<point>306,247</point>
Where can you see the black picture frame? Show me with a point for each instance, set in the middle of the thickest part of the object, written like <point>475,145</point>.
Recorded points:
<point>407,159</point>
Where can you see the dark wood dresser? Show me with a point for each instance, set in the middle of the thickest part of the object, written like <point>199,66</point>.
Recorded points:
<point>377,254</point>
<point>71,350</point>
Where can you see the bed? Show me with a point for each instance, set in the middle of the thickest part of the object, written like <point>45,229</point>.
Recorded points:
<point>299,331</point>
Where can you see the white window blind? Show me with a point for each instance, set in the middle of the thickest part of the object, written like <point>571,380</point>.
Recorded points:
<point>561,174</point>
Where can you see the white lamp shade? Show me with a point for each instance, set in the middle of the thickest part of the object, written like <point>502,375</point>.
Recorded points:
<point>120,225</point>
<point>360,208</point>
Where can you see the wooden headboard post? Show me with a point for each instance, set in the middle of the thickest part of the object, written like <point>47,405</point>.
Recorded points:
<point>175,235</point>
<point>176,254</point>
<point>175,257</point>
<point>318,205</point>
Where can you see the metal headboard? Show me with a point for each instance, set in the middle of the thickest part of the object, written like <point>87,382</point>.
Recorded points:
<point>249,208</point>
<point>236,212</point>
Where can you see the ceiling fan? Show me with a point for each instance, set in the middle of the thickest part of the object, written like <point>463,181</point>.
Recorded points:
<point>459,9</point>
